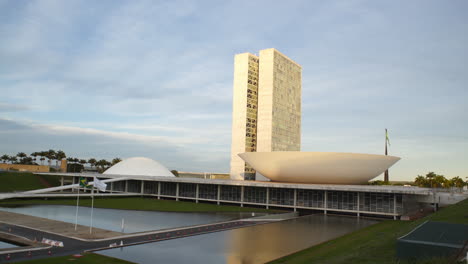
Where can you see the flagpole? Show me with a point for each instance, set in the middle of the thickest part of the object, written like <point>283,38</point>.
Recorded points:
<point>386,153</point>
<point>92,208</point>
<point>77,202</point>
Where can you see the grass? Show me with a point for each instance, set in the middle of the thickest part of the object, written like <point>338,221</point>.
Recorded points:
<point>376,243</point>
<point>137,203</point>
<point>86,259</point>
<point>24,181</point>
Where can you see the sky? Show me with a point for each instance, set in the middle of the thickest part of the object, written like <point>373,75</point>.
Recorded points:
<point>108,79</point>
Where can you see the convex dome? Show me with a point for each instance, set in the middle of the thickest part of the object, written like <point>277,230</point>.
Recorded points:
<point>139,166</point>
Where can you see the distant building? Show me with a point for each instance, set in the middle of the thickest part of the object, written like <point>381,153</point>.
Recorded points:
<point>266,108</point>
<point>25,168</point>
<point>203,175</point>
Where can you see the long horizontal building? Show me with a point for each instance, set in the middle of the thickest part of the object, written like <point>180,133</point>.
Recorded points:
<point>359,200</point>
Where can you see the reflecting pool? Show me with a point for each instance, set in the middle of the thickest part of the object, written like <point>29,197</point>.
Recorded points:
<point>255,244</point>
<point>134,221</point>
<point>6,245</point>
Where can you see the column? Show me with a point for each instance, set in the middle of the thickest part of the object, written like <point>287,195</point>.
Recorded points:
<point>112,187</point>
<point>197,193</point>
<point>159,190</point>
<point>242,196</point>
<point>126,186</point>
<point>61,183</point>
<point>394,207</point>
<point>325,204</point>
<point>295,199</point>
<point>219,193</point>
<point>177,192</point>
<point>358,204</point>
<point>142,186</point>
<point>267,197</point>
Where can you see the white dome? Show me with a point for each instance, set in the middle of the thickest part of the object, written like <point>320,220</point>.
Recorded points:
<point>139,166</point>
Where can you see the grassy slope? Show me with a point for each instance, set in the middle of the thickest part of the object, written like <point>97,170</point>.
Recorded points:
<point>87,258</point>
<point>22,181</point>
<point>376,243</point>
<point>137,203</point>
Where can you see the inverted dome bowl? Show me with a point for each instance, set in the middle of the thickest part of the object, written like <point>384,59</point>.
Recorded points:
<point>318,167</point>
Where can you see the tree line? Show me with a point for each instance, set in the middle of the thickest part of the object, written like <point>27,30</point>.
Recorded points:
<point>52,155</point>
<point>433,180</point>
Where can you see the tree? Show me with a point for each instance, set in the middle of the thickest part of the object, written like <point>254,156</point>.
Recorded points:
<point>42,154</point>
<point>50,155</point>
<point>115,161</point>
<point>21,155</point>
<point>26,161</point>
<point>13,159</point>
<point>432,180</point>
<point>59,156</point>
<point>34,154</point>
<point>92,162</point>
<point>102,163</point>
<point>83,162</point>
<point>421,181</point>
<point>457,182</point>
<point>5,158</point>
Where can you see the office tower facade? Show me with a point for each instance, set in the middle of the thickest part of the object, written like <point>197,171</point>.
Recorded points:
<point>266,107</point>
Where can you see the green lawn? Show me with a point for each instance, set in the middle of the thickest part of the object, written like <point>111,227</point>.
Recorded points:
<point>138,203</point>
<point>23,181</point>
<point>376,243</point>
<point>86,259</point>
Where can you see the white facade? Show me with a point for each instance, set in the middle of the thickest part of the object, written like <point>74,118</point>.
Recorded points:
<point>266,112</point>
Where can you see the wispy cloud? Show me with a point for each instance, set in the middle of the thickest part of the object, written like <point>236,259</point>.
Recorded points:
<point>151,76</point>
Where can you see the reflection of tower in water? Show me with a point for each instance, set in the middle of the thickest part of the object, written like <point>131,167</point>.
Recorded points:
<point>263,243</point>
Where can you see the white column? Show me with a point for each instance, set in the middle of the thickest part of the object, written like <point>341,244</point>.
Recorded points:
<point>197,193</point>
<point>177,192</point>
<point>219,193</point>
<point>159,190</point>
<point>325,203</point>
<point>126,186</point>
<point>394,207</point>
<point>142,186</point>
<point>61,183</point>
<point>267,197</point>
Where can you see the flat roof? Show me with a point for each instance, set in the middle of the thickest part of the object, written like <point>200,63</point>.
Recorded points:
<point>308,186</point>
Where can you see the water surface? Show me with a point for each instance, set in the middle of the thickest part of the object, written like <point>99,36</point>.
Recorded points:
<point>256,244</point>
<point>6,245</point>
<point>134,221</point>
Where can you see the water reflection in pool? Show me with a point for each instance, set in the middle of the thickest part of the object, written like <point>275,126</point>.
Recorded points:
<point>6,245</point>
<point>256,244</point>
<point>135,221</point>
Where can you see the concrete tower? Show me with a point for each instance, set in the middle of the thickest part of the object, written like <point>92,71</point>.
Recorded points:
<point>266,112</point>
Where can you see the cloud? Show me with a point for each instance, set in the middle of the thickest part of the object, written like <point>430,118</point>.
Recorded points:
<point>140,77</point>
<point>182,154</point>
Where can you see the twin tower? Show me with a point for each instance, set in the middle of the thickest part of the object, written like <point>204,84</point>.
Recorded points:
<point>266,114</point>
